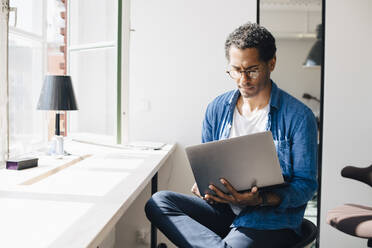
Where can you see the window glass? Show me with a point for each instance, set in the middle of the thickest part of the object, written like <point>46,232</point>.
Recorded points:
<point>92,21</point>
<point>93,68</point>
<point>25,80</point>
<point>29,15</point>
<point>34,51</point>
<point>94,79</point>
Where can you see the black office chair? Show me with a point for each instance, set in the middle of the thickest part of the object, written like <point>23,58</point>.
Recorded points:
<point>353,219</point>
<point>308,234</point>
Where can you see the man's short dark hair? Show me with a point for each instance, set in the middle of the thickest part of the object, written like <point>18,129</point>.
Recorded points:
<point>252,35</point>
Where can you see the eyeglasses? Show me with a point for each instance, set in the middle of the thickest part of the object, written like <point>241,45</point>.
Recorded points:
<point>234,74</point>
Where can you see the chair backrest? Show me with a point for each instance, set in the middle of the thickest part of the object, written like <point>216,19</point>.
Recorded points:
<point>363,175</point>
<point>308,234</point>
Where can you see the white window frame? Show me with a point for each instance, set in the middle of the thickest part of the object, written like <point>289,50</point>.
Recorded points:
<point>4,119</point>
<point>91,46</point>
<point>125,48</point>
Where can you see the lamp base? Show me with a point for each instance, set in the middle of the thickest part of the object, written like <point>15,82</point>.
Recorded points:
<point>58,145</point>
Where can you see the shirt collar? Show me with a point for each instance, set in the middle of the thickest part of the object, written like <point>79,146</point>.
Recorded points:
<point>274,96</point>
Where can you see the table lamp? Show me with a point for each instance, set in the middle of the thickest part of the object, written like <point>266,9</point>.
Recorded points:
<point>57,94</point>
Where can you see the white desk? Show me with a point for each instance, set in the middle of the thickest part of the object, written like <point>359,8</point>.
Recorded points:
<point>79,205</point>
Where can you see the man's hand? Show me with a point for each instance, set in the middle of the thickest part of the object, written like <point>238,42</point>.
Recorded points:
<point>195,190</point>
<point>251,198</point>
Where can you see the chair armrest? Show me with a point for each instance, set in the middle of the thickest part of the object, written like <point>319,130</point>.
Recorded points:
<point>363,175</point>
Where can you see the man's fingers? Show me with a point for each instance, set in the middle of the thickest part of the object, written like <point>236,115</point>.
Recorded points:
<point>209,197</point>
<point>229,187</point>
<point>254,189</point>
<point>195,190</point>
<point>210,201</point>
<point>219,193</point>
<point>196,193</point>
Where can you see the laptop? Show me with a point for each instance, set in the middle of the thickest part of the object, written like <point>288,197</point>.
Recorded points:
<point>245,161</point>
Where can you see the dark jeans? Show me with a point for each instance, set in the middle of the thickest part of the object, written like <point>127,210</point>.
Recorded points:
<point>189,221</point>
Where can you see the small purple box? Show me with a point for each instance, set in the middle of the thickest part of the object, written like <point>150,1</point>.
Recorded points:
<point>21,163</point>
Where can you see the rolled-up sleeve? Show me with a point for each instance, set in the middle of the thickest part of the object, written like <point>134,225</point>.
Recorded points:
<point>303,183</point>
<point>207,132</point>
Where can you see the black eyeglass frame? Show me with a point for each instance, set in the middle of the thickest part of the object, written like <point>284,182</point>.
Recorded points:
<point>247,72</point>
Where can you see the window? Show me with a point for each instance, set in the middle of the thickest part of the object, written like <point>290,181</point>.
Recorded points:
<point>92,64</point>
<point>75,37</point>
<point>37,46</point>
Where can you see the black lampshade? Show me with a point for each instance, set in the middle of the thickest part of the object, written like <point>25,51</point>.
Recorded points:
<point>57,94</point>
<point>314,58</point>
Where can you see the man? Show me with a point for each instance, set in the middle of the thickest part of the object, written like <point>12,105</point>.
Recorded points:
<point>252,219</point>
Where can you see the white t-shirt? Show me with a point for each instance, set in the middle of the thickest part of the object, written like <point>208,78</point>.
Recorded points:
<point>254,122</point>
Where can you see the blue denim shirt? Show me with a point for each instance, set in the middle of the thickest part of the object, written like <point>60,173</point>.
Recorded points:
<point>294,131</point>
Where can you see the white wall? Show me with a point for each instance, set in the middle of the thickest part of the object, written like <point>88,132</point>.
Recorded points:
<point>177,66</point>
<point>347,111</point>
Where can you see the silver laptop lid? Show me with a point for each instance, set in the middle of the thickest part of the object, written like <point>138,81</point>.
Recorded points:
<point>245,161</point>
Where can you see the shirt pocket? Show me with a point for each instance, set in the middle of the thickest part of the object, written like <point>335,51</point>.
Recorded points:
<point>283,149</point>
